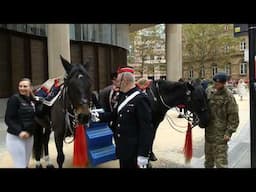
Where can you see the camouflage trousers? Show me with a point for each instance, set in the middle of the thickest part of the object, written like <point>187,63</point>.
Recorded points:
<point>216,154</point>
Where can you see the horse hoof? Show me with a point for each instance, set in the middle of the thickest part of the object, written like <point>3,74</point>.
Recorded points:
<point>149,165</point>
<point>50,166</point>
<point>39,166</point>
<point>180,116</point>
<point>152,157</point>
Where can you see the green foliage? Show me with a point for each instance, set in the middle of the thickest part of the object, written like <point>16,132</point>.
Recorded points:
<point>208,42</point>
<point>144,43</point>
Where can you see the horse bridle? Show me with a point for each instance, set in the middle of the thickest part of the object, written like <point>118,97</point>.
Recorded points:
<point>193,116</point>
<point>188,93</point>
<point>69,116</point>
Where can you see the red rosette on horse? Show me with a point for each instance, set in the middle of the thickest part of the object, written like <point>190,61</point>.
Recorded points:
<point>188,151</point>
<point>80,158</point>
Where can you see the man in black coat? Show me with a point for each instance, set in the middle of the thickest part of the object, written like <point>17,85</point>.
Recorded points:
<point>134,129</point>
<point>107,96</point>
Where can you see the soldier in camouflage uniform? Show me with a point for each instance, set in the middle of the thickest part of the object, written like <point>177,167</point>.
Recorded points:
<point>224,121</point>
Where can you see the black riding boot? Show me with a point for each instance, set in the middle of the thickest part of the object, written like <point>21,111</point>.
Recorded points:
<point>152,157</point>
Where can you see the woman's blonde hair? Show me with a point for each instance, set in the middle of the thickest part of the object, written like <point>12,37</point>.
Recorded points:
<point>26,79</point>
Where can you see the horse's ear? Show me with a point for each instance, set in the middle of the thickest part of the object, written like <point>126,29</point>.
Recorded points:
<point>67,66</point>
<point>190,86</point>
<point>86,65</point>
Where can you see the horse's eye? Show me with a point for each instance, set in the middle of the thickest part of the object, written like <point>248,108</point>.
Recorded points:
<point>80,76</point>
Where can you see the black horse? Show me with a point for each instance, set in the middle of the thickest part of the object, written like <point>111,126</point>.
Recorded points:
<point>42,133</point>
<point>165,95</point>
<point>71,106</point>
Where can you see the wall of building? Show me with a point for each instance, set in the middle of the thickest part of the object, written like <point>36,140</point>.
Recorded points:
<point>23,54</point>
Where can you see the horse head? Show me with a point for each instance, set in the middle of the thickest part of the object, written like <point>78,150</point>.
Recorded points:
<point>78,89</point>
<point>170,94</point>
<point>196,101</point>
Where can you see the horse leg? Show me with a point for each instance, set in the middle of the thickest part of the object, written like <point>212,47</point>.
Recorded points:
<point>38,144</point>
<point>46,140</point>
<point>59,146</point>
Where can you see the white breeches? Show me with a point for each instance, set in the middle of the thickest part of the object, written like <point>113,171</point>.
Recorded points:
<point>20,149</point>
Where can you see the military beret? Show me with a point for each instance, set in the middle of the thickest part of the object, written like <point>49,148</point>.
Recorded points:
<point>220,77</point>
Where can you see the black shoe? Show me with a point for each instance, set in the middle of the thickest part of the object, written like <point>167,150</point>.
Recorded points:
<point>180,116</point>
<point>50,166</point>
<point>152,157</point>
<point>149,165</point>
<point>39,166</point>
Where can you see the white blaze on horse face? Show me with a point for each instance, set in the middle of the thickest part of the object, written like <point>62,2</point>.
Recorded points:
<point>80,76</point>
<point>83,109</point>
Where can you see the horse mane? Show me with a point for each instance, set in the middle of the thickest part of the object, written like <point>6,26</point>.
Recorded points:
<point>167,86</point>
<point>79,68</point>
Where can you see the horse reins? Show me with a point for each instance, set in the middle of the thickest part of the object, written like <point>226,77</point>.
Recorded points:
<point>68,115</point>
<point>188,92</point>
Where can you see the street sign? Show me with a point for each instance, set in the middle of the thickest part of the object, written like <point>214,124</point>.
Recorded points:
<point>240,30</point>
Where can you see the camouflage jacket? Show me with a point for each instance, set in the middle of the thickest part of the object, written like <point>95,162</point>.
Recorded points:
<point>224,118</point>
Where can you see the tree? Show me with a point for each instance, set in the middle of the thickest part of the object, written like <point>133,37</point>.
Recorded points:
<point>145,45</point>
<point>208,42</point>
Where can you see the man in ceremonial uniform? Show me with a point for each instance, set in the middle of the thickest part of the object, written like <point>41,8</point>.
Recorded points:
<point>134,129</point>
<point>108,96</point>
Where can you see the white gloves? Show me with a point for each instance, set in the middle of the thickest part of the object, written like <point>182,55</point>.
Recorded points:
<point>142,161</point>
<point>95,116</point>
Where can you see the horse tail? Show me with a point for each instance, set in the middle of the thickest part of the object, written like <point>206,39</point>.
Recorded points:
<point>41,137</point>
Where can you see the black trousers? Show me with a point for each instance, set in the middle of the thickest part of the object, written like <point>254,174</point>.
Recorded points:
<point>128,163</point>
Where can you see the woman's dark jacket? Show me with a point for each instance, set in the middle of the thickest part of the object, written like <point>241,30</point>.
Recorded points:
<point>20,114</point>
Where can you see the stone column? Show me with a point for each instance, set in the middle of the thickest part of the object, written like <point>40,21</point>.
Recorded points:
<point>58,42</point>
<point>174,51</point>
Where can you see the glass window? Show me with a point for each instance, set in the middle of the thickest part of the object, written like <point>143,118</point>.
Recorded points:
<point>202,72</point>
<point>243,68</point>
<point>122,35</point>
<point>226,27</point>
<point>11,26</point>
<point>97,33</point>
<point>3,25</point>
<point>33,29</point>
<point>78,32</point>
<point>228,69</point>
<point>107,33</point>
<point>85,32</point>
<point>242,46</point>
<point>113,32</point>
<point>41,29</point>
<point>22,27</point>
<point>72,31</point>
<point>163,77</point>
<point>226,48</point>
<point>214,69</point>
<point>91,32</point>
<point>191,73</point>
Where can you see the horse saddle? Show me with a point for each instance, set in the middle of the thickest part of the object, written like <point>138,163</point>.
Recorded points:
<point>49,90</point>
